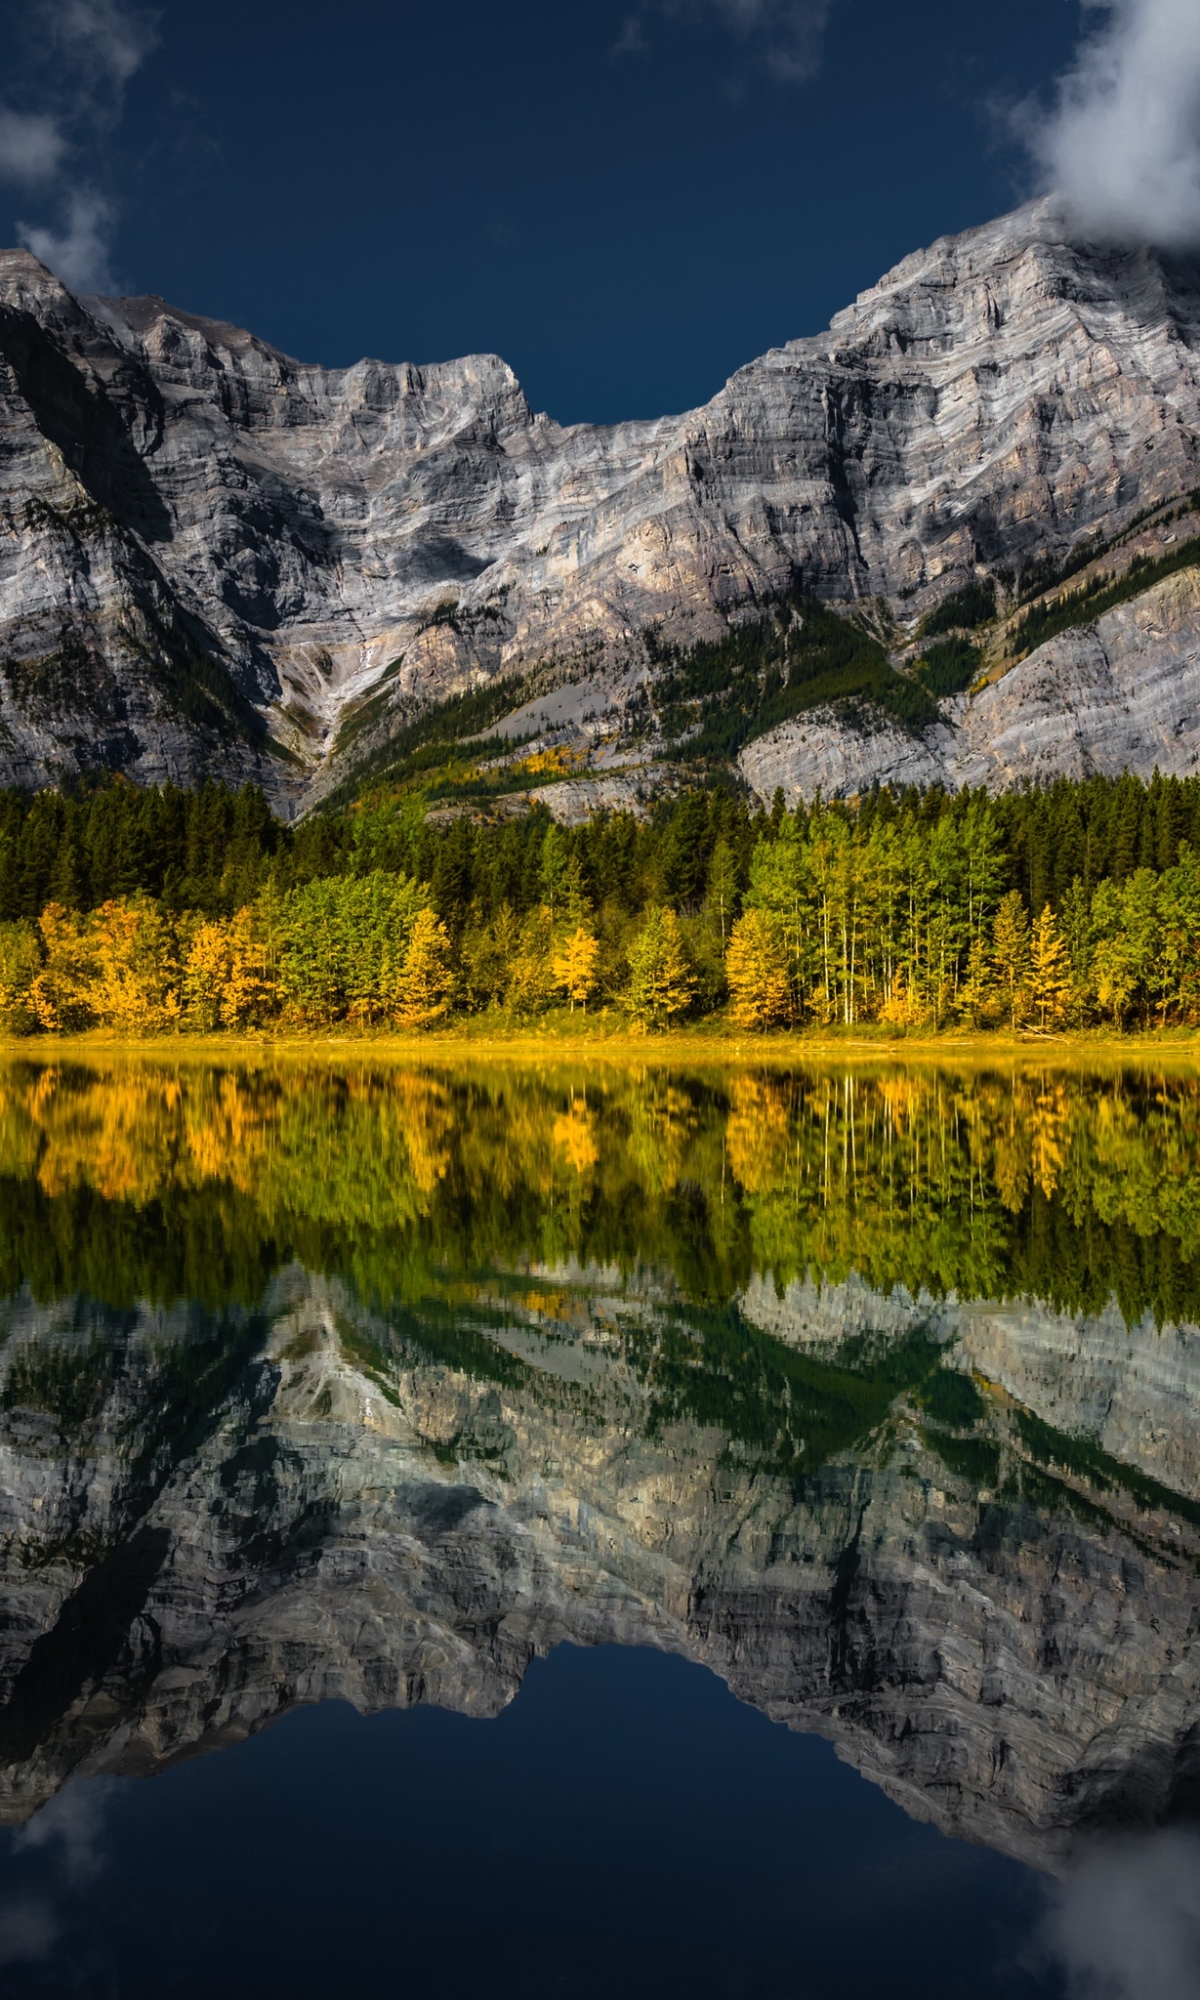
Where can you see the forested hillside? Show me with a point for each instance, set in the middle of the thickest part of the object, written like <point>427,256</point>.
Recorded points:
<point>144,910</point>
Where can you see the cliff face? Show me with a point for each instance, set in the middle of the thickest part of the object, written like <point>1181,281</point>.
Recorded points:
<point>205,545</point>
<point>1008,1648</point>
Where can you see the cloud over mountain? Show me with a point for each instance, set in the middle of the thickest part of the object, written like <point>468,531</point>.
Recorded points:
<point>88,50</point>
<point>1122,142</point>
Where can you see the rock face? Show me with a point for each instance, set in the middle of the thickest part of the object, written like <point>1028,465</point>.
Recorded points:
<point>1122,694</point>
<point>328,1513</point>
<point>214,556</point>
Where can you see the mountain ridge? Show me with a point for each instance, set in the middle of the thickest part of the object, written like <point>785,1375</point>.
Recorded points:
<point>217,557</point>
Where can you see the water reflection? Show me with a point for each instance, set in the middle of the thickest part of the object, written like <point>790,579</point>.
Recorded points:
<point>875,1392</point>
<point>1126,1921</point>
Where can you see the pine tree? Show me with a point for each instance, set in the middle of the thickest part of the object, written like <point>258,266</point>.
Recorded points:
<point>488,953</point>
<point>426,980</point>
<point>554,865</point>
<point>661,982</point>
<point>721,888</point>
<point>757,972</point>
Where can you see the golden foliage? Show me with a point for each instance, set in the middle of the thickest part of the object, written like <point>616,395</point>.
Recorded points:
<point>575,1132</point>
<point>574,965</point>
<point>1049,984</point>
<point>757,1133</point>
<point>756,970</point>
<point>903,1005</point>
<point>424,986</point>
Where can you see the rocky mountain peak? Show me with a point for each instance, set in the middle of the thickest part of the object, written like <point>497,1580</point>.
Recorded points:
<point>325,551</point>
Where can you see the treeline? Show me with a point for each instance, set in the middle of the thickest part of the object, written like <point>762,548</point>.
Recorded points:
<point>140,910</point>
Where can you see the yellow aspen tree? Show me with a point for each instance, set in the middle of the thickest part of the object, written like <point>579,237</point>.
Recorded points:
<point>757,973</point>
<point>205,976</point>
<point>60,994</point>
<point>757,1134</point>
<point>1049,981</point>
<point>574,966</point>
<point>575,1132</point>
<point>426,981</point>
<point>1010,954</point>
<point>137,969</point>
<point>249,992</point>
<point>120,993</point>
<point>902,1005</point>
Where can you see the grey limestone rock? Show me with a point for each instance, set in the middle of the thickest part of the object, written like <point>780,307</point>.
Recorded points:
<point>215,557</point>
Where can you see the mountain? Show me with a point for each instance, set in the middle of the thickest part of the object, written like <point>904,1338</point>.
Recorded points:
<point>214,558</point>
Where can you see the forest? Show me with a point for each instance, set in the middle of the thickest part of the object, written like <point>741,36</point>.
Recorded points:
<point>140,911</point>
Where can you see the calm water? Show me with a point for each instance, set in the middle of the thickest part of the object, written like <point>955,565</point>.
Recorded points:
<point>717,1534</point>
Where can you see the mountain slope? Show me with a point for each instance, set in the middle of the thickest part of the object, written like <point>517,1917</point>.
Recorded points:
<point>214,557</point>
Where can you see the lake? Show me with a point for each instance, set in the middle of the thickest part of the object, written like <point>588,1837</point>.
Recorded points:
<point>594,1530</point>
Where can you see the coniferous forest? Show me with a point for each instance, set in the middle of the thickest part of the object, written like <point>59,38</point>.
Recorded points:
<point>144,910</point>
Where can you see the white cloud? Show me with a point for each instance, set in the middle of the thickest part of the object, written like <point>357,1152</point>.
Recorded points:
<point>781,36</point>
<point>32,145</point>
<point>74,1820</point>
<point>788,32</point>
<point>1122,144</point>
<point>86,53</point>
<point>1126,1924</point>
<point>101,36</point>
<point>79,251</point>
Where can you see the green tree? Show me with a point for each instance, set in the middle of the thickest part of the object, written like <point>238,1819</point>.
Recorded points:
<point>20,963</point>
<point>722,887</point>
<point>661,982</point>
<point>977,989</point>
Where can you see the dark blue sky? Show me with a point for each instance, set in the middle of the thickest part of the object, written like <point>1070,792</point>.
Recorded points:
<point>626,203</point>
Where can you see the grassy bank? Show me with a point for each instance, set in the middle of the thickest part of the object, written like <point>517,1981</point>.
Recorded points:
<point>610,1040</point>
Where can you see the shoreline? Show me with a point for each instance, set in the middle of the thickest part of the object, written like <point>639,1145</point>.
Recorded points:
<point>669,1047</point>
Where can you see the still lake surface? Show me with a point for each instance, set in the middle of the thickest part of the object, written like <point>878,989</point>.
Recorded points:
<point>724,1533</point>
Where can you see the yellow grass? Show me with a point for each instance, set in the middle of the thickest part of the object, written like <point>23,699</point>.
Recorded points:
<point>606,1043</point>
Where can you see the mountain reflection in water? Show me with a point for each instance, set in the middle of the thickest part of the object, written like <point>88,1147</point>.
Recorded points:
<point>875,1392</point>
